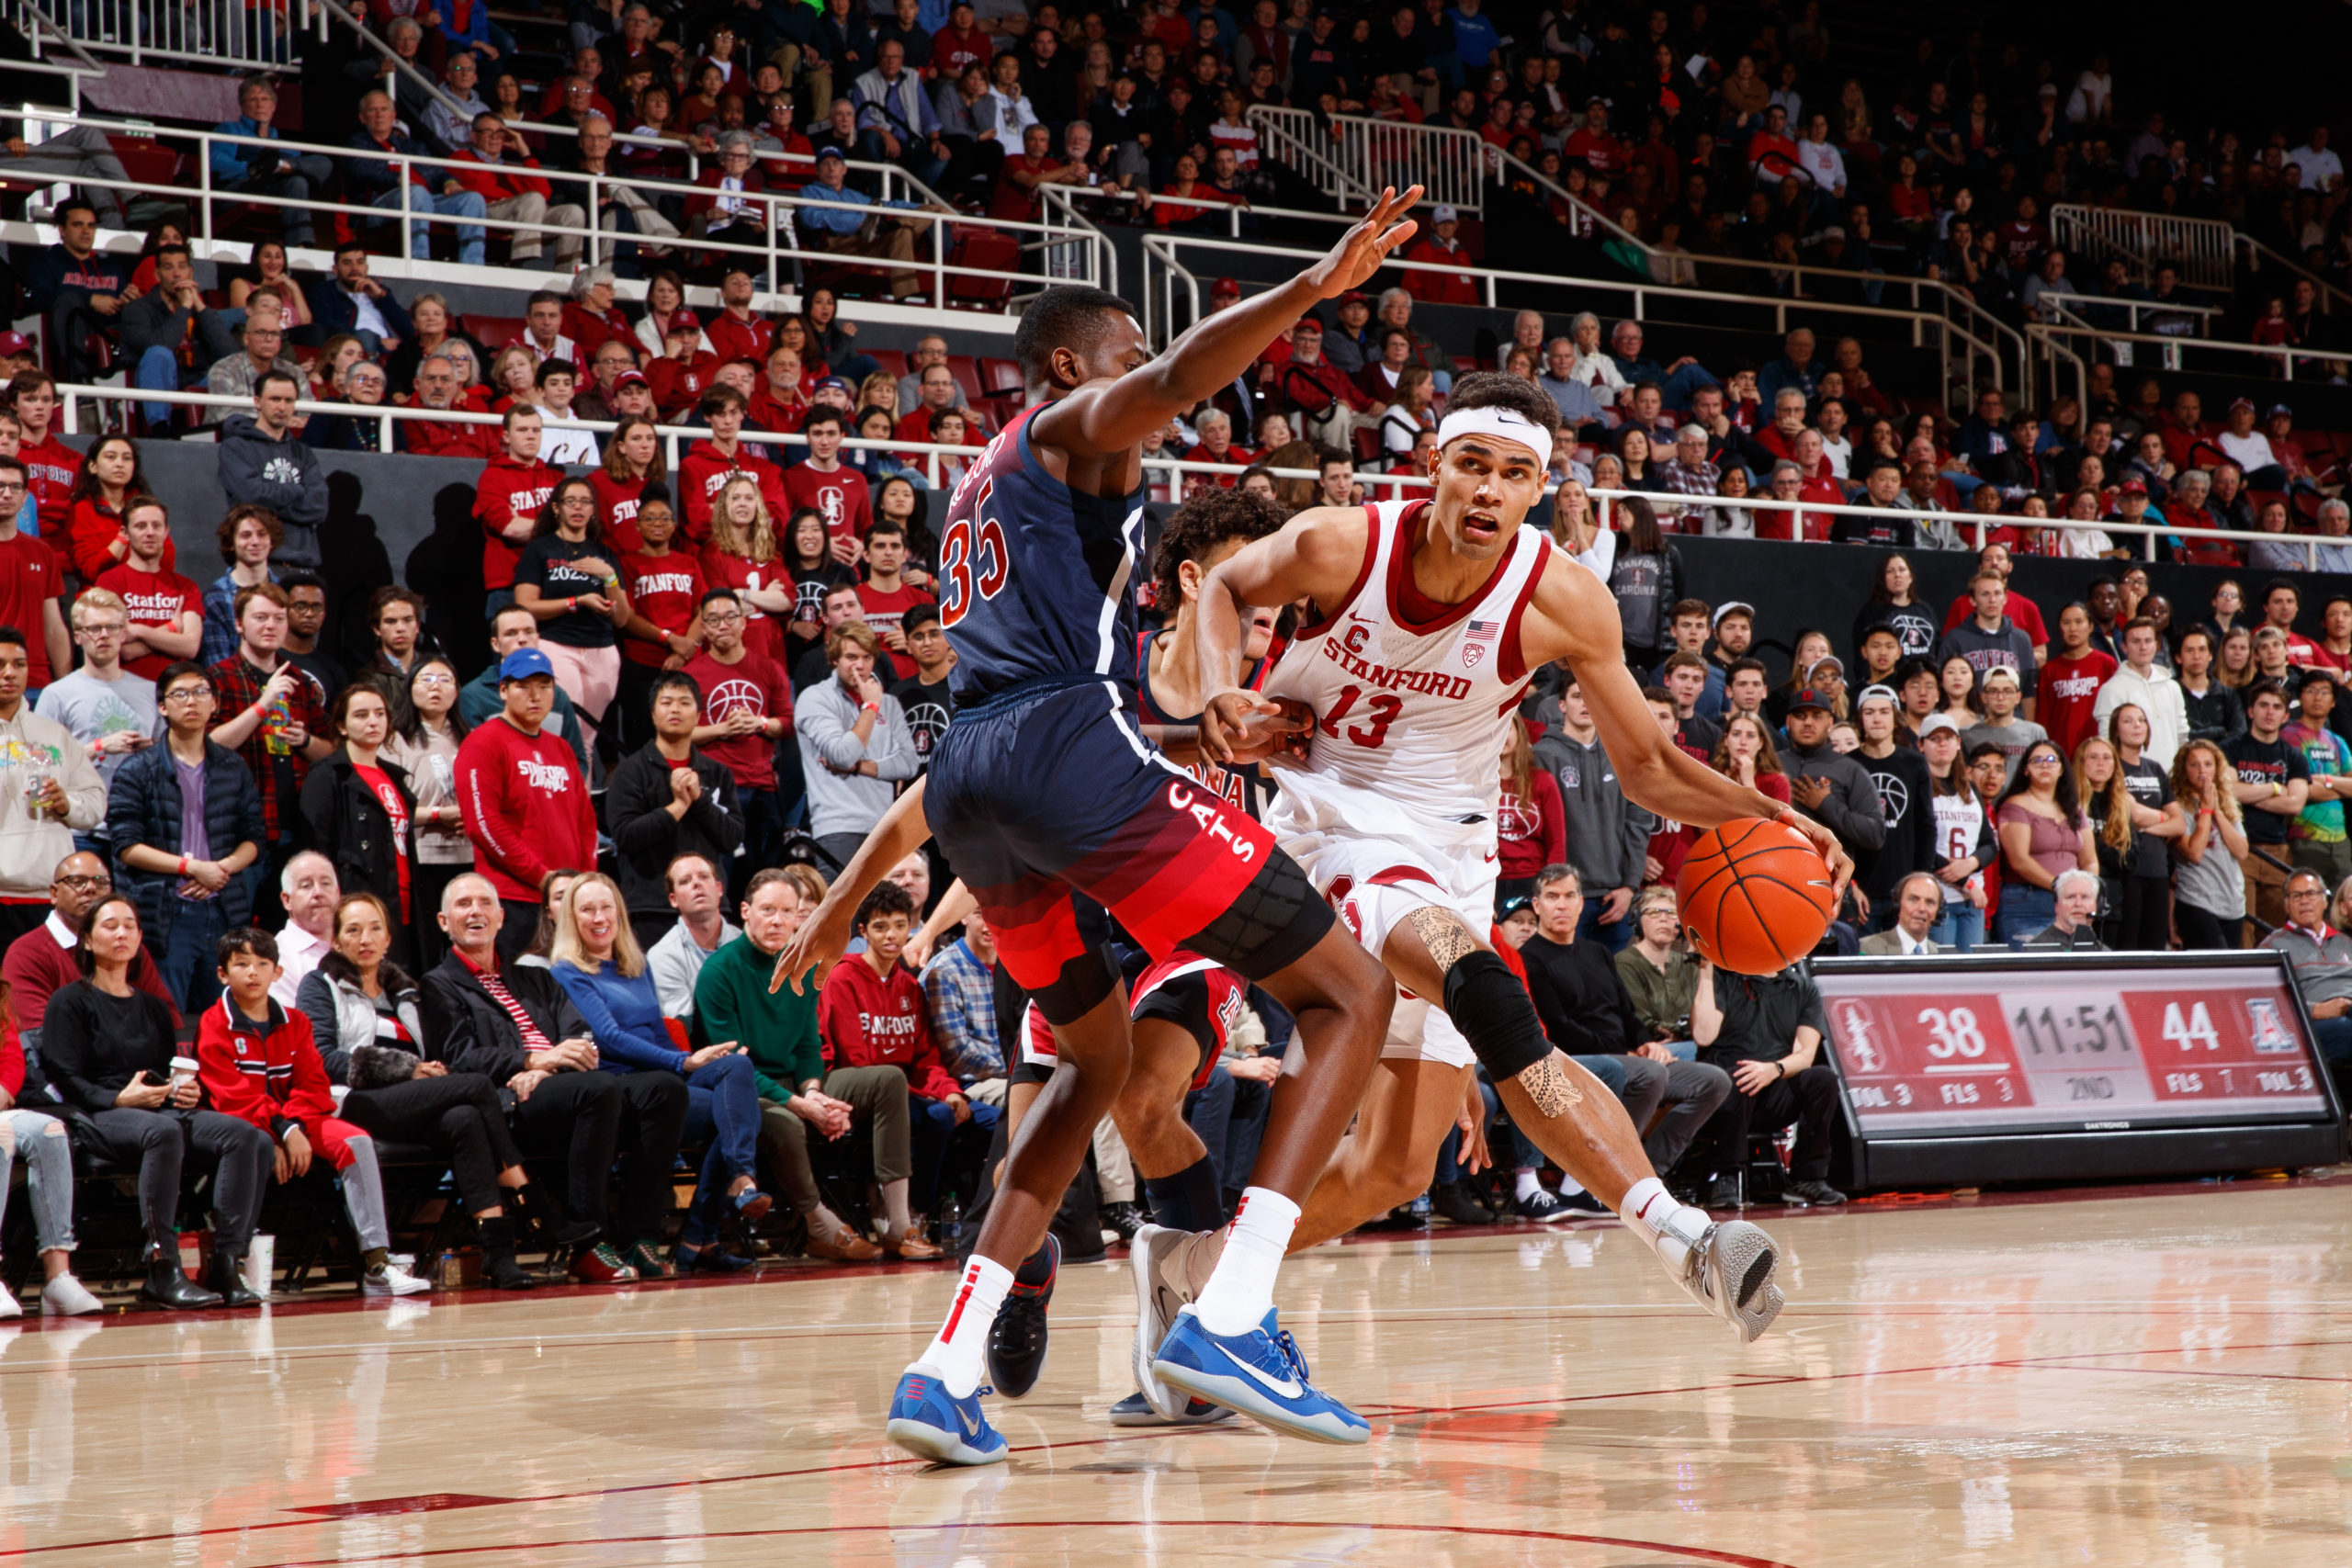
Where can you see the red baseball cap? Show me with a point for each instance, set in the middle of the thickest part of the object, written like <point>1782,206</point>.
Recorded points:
<point>1223,287</point>
<point>630,378</point>
<point>16,343</point>
<point>683,322</point>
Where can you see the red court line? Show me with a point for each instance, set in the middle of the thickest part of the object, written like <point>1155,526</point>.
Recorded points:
<point>2193,1372</point>
<point>1693,1554</point>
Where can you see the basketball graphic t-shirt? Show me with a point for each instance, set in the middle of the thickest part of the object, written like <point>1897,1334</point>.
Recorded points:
<point>755,684</point>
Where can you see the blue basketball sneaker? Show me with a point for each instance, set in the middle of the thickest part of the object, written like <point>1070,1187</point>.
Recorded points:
<point>1260,1373</point>
<point>927,1420</point>
<point>1137,1411</point>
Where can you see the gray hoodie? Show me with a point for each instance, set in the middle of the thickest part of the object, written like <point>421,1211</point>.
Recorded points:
<point>841,800</point>
<point>1609,836</point>
<point>1852,810</point>
<point>284,475</point>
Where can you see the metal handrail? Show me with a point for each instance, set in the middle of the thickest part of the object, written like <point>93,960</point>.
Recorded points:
<point>1162,248</point>
<point>2073,307</point>
<point>1983,328</point>
<point>593,238</point>
<point>672,434</point>
<point>2287,354</point>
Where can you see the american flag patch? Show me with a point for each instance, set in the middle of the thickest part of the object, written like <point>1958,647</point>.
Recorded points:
<point>1482,631</point>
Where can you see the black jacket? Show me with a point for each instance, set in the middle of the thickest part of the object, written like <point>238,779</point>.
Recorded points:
<point>646,838</point>
<point>348,825</point>
<point>1904,787</point>
<point>87,1061</point>
<point>466,1029</point>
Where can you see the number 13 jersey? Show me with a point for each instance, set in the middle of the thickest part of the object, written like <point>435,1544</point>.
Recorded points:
<point>1410,714</point>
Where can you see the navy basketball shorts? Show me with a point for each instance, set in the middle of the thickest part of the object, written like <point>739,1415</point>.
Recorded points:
<point>1050,789</point>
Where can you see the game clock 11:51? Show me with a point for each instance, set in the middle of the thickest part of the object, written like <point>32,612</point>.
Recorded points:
<point>2051,1030</point>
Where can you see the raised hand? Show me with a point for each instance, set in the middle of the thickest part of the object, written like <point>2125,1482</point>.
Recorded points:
<point>1363,249</point>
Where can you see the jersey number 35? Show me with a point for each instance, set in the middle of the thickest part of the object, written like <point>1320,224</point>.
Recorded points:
<point>972,557</point>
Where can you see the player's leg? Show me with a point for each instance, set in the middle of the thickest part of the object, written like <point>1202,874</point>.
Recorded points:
<point>1162,1067</point>
<point>1566,1113</point>
<point>1406,1112</point>
<point>935,1412</point>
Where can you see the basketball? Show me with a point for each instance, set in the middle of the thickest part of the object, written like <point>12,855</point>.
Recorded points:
<point>1755,896</point>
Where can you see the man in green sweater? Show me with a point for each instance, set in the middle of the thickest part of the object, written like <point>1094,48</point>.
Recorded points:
<point>778,1030</point>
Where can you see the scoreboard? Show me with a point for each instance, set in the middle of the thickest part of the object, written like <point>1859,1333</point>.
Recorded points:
<point>2045,1066</point>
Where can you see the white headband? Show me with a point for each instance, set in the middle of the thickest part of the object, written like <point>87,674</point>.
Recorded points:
<point>1502,422</point>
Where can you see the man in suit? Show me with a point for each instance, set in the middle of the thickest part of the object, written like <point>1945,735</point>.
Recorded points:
<point>1918,903</point>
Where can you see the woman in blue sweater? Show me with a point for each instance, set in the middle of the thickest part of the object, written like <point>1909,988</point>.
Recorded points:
<point>597,961</point>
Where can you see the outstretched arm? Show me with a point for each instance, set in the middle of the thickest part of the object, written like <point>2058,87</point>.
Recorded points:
<point>1573,618</point>
<point>824,934</point>
<point>1314,557</point>
<point>1115,414</point>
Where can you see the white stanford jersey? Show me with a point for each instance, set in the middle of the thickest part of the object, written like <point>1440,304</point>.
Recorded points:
<point>1409,717</point>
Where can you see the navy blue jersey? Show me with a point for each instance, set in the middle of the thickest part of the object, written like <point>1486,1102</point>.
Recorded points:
<point>1036,580</point>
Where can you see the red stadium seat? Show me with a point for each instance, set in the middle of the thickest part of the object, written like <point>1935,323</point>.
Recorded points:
<point>988,249</point>
<point>967,376</point>
<point>892,360</point>
<point>999,376</point>
<point>493,332</point>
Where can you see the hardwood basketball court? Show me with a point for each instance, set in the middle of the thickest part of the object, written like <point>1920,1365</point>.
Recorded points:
<point>2156,1376</point>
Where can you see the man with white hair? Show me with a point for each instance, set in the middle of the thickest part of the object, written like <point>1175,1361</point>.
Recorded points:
<point>1688,472</point>
<point>1579,404</point>
<point>2069,929</point>
<point>2334,524</point>
<point>309,890</point>
<point>1527,333</point>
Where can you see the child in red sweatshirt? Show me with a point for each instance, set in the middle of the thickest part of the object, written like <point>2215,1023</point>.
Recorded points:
<point>258,1063</point>
<point>873,1013</point>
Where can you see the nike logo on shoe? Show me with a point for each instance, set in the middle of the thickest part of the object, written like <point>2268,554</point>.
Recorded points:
<point>966,1421</point>
<point>1288,1388</point>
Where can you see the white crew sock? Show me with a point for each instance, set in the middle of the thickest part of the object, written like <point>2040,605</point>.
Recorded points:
<point>1650,1210</point>
<point>957,1355</point>
<point>1569,1186</point>
<point>1526,1184</point>
<point>1241,1289</point>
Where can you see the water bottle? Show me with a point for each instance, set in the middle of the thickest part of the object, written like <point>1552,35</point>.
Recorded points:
<point>951,1223</point>
<point>274,721</point>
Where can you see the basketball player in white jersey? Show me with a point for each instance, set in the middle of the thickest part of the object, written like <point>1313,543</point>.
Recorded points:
<point>1431,615</point>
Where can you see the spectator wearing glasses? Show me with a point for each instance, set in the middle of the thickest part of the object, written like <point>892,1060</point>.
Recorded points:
<point>41,961</point>
<point>512,188</point>
<point>2043,834</point>
<point>288,178</point>
<point>2321,956</point>
<point>186,823</point>
<point>517,1027</point>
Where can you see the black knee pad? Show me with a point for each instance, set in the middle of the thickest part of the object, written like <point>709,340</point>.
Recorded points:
<point>1494,1014</point>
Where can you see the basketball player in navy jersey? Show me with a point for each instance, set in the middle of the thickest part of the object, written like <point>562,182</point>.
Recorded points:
<point>1432,614</point>
<point>1045,794</point>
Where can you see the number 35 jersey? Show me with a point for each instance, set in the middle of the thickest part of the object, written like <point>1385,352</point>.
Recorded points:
<point>1036,580</point>
<point>1410,712</point>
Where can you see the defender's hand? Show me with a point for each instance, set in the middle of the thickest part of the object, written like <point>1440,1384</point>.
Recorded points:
<point>1225,721</point>
<point>817,944</point>
<point>1363,249</point>
<point>1267,735</point>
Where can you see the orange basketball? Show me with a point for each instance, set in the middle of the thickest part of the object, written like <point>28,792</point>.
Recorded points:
<point>1755,896</point>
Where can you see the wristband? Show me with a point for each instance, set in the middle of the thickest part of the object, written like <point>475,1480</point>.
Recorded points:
<point>868,708</point>
<point>183,865</point>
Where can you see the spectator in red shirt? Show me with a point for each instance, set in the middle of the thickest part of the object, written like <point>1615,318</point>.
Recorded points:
<point>511,188</point>
<point>1600,153</point>
<point>781,401</point>
<point>737,332</point>
<point>272,712</point>
<point>164,610</point>
<point>1187,200</point>
<point>50,465</point>
<point>837,491</point>
<point>960,44</point>
<point>1441,247</point>
<point>683,370</point>
<point>525,803</point>
<point>665,588</point>
<point>632,463</point>
<point>1532,822</point>
<point>591,317</point>
<point>886,596</point>
<point>31,578</point>
<point>742,555</point>
<point>1214,427</point>
<point>2070,678</point>
<point>439,387</point>
<point>873,1013</point>
<point>513,488</point>
<point>747,711</point>
<point>110,476</point>
<point>711,463</point>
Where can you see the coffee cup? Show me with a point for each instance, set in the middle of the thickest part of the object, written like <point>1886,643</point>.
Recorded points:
<point>182,1071</point>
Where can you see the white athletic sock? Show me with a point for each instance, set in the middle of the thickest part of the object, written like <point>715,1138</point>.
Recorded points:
<point>1649,1208</point>
<point>1242,1287</point>
<point>1569,1185</point>
<point>959,1351</point>
<point>1527,1183</point>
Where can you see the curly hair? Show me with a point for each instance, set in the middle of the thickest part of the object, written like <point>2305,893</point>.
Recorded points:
<point>1202,524</point>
